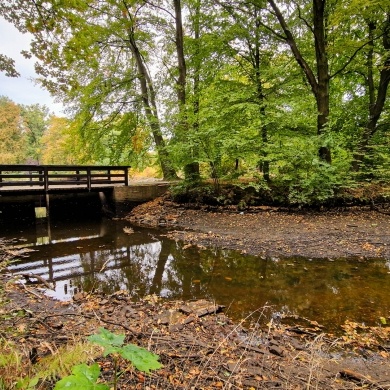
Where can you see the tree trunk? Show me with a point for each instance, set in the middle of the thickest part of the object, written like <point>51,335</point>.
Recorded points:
<point>194,168</point>
<point>319,83</point>
<point>181,81</point>
<point>322,90</point>
<point>191,170</point>
<point>150,107</point>
<point>375,107</point>
<point>261,100</point>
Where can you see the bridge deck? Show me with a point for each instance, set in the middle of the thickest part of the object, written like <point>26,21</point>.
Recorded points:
<point>38,190</point>
<point>28,179</point>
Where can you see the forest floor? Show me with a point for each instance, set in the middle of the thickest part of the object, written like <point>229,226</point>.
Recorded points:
<point>199,346</point>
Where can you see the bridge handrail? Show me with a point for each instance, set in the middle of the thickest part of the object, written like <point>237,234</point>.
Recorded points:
<point>64,175</point>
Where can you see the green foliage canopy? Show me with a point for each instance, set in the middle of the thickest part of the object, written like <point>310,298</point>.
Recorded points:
<point>271,86</point>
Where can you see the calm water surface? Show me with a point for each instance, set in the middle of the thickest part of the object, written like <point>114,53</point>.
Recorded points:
<point>99,255</point>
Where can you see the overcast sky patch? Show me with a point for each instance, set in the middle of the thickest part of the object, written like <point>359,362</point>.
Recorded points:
<point>22,90</point>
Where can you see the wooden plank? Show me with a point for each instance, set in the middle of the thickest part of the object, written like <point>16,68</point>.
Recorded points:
<point>67,183</point>
<point>21,167</point>
<point>107,181</point>
<point>21,183</point>
<point>111,175</point>
<point>18,168</point>
<point>67,175</point>
<point>16,176</point>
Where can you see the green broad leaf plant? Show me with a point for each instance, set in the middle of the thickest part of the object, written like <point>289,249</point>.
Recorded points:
<point>141,358</point>
<point>87,377</point>
<point>83,377</point>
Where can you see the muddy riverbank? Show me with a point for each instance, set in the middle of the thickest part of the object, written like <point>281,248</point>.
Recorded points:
<point>357,232</point>
<point>198,345</point>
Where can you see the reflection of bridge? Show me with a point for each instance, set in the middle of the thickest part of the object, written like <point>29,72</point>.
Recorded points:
<point>67,258</point>
<point>44,179</point>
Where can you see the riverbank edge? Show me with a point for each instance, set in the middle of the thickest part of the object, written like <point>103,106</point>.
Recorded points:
<point>355,232</point>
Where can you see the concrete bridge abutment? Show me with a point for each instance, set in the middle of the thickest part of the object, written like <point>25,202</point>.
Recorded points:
<point>125,198</point>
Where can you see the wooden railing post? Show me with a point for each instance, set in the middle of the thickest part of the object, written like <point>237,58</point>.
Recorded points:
<point>89,178</point>
<point>46,178</point>
<point>126,176</point>
<point>41,174</point>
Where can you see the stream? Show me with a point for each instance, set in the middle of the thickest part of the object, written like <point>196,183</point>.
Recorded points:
<point>97,254</point>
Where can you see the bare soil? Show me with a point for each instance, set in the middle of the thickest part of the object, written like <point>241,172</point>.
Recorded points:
<point>269,231</point>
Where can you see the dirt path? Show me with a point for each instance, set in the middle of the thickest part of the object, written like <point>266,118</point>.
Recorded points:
<point>266,231</point>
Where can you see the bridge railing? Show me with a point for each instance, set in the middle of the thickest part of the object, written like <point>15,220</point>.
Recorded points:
<point>58,176</point>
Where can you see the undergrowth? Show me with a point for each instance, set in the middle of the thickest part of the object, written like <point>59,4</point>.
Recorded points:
<point>315,191</point>
<point>18,372</point>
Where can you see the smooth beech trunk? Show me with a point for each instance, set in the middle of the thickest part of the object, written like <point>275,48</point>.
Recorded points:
<point>150,107</point>
<point>319,80</point>
<point>191,170</point>
<point>376,103</point>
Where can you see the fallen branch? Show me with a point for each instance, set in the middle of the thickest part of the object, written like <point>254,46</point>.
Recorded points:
<point>39,278</point>
<point>349,374</point>
<point>298,330</point>
<point>104,265</point>
<point>32,292</point>
<point>377,209</point>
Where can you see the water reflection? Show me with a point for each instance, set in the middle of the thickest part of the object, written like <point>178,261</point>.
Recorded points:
<point>99,255</point>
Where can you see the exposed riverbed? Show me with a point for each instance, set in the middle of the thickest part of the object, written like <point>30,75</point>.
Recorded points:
<point>106,256</point>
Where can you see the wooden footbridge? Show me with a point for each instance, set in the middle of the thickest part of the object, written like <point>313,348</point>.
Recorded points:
<point>39,183</point>
<point>44,179</point>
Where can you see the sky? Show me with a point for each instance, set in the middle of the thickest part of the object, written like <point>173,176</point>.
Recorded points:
<point>22,90</point>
